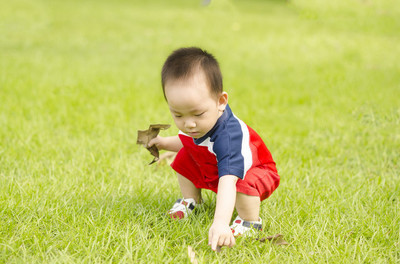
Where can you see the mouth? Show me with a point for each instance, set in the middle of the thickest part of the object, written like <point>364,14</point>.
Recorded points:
<point>193,134</point>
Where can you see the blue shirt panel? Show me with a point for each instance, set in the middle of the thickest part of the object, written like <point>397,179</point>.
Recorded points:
<point>227,137</point>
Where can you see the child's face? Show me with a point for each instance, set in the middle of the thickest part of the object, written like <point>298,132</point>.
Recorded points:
<point>194,109</point>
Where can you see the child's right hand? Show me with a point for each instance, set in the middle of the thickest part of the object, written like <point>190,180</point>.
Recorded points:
<point>158,142</point>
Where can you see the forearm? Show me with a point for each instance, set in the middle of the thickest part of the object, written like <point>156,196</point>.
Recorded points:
<point>171,143</point>
<point>226,199</point>
<point>220,234</point>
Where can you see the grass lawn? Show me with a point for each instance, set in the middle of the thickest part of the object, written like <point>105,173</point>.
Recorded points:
<point>319,80</point>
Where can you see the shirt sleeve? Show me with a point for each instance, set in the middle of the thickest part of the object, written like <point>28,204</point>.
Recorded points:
<point>232,149</point>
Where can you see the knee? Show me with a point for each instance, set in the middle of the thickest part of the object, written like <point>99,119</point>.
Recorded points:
<point>244,201</point>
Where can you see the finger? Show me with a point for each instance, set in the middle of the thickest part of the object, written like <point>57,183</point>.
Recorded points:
<point>214,245</point>
<point>210,236</point>
<point>232,241</point>
<point>214,242</point>
<point>227,241</point>
<point>210,239</point>
<point>151,143</point>
<point>222,241</point>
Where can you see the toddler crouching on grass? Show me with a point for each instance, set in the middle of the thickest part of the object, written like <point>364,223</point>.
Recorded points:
<point>216,150</point>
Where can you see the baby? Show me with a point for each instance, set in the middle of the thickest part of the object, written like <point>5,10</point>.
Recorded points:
<point>216,150</point>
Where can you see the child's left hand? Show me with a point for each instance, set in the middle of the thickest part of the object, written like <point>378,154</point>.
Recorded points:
<point>220,235</point>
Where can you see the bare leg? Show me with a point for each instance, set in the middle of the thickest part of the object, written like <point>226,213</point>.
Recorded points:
<point>248,207</point>
<point>188,189</point>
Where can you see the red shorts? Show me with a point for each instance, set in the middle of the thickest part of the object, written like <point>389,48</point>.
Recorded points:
<point>259,181</point>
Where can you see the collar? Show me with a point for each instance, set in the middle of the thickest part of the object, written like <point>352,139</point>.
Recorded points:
<point>225,115</point>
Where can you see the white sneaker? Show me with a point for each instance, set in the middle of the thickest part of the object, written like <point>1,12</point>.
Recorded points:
<point>182,208</point>
<point>240,227</point>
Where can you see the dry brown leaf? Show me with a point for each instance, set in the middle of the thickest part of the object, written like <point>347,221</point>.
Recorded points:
<point>144,137</point>
<point>192,255</point>
<point>276,239</point>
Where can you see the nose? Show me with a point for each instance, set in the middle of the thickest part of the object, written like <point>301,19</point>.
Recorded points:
<point>189,123</point>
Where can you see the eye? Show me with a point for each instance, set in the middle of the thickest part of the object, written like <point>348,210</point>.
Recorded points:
<point>177,116</point>
<point>200,114</point>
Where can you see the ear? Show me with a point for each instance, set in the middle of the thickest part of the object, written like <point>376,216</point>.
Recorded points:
<point>222,101</point>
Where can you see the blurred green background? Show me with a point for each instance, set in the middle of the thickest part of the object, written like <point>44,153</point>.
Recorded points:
<point>318,80</point>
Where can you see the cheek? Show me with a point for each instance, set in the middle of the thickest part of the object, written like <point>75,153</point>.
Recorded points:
<point>204,122</point>
<point>178,122</point>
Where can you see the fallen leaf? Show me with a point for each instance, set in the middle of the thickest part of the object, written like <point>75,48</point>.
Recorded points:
<point>144,137</point>
<point>276,239</point>
<point>192,255</point>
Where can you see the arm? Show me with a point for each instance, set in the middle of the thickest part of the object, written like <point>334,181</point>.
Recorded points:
<point>167,143</point>
<point>220,233</point>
